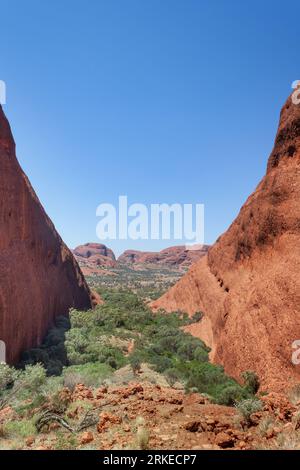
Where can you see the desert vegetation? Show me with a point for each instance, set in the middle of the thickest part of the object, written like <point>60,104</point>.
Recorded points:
<point>91,345</point>
<point>108,371</point>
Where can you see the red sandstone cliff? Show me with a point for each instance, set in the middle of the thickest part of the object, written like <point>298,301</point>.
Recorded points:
<point>39,277</point>
<point>248,286</point>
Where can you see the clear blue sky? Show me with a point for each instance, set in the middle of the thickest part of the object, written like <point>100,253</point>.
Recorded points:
<point>162,100</point>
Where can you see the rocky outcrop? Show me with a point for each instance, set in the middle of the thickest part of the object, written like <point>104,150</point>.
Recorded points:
<point>174,257</point>
<point>248,286</point>
<point>39,277</point>
<point>97,259</point>
<point>90,250</point>
<point>92,257</point>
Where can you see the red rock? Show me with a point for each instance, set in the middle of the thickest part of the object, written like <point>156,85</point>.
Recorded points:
<point>86,437</point>
<point>93,257</point>
<point>94,249</point>
<point>242,445</point>
<point>270,433</point>
<point>81,392</point>
<point>193,426</point>
<point>39,277</point>
<point>175,256</point>
<point>279,405</point>
<point>107,419</point>
<point>6,414</point>
<point>29,441</point>
<point>224,441</point>
<point>130,390</point>
<point>248,285</point>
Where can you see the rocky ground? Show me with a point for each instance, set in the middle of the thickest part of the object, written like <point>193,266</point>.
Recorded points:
<point>141,415</point>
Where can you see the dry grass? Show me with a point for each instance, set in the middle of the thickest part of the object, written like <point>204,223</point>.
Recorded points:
<point>142,434</point>
<point>264,425</point>
<point>294,394</point>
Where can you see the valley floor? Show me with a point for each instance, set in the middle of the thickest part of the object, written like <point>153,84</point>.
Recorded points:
<point>141,415</point>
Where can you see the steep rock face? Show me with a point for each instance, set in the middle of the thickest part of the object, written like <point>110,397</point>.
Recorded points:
<point>248,286</point>
<point>175,256</point>
<point>39,277</point>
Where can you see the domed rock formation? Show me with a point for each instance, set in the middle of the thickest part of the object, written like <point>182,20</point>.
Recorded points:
<point>248,286</point>
<point>94,249</point>
<point>174,257</point>
<point>39,277</point>
<point>94,256</point>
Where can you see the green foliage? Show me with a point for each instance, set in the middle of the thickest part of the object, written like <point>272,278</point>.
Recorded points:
<point>232,394</point>
<point>197,317</point>
<point>251,381</point>
<point>65,441</point>
<point>94,347</point>
<point>211,379</point>
<point>135,363</point>
<point>247,407</point>
<point>7,376</point>
<point>22,429</point>
<point>21,385</point>
<point>52,353</point>
<point>90,374</point>
<point>159,341</point>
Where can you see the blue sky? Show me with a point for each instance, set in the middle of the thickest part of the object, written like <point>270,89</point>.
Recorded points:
<point>162,100</point>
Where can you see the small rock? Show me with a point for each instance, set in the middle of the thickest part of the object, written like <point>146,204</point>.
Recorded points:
<point>242,445</point>
<point>29,441</point>
<point>86,437</point>
<point>193,426</point>
<point>224,441</point>
<point>211,422</point>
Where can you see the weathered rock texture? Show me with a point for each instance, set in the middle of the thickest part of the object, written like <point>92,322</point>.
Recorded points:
<point>39,277</point>
<point>248,286</point>
<point>95,255</point>
<point>175,256</point>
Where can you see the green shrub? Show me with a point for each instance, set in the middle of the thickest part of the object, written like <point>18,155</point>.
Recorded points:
<point>232,394</point>
<point>7,376</point>
<point>197,317</point>
<point>247,407</point>
<point>90,374</point>
<point>135,363</point>
<point>52,353</point>
<point>251,381</point>
<point>22,428</point>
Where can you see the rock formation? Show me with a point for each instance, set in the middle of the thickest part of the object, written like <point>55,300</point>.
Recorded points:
<point>95,255</point>
<point>248,286</point>
<point>174,257</point>
<point>39,277</point>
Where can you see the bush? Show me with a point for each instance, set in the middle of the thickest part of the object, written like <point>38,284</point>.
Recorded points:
<point>247,407</point>
<point>251,381</point>
<point>22,428</point>
<point>135,363</point>
<point>232,394</point>
<point>142,434</point>
<point>294,394</point>
<point>7,376</point>
<point>173,376</point>
<point>52,353</point>
<point>197,317</point>
<point>91,374</point>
